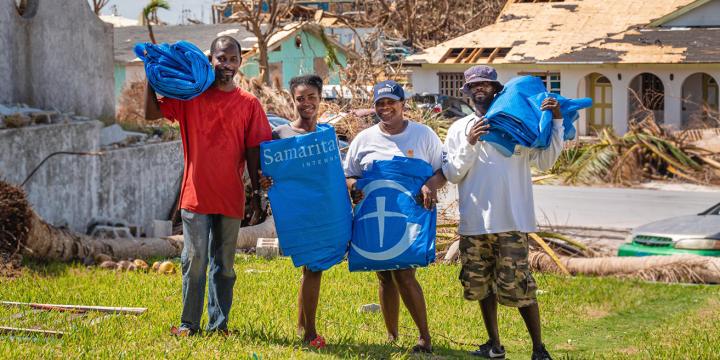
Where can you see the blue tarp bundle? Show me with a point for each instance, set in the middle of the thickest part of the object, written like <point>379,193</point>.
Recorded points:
<point>516,119</point>
<point>179,71</point>
<point>313,214</point>
<point>391,230</point>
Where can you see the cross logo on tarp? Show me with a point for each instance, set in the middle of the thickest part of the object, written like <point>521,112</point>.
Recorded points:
<point>381,214</point>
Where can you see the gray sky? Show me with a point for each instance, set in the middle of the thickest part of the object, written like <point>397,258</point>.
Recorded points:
<point>199,9</point>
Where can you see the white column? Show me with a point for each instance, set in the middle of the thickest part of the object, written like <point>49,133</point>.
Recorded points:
<point>620,100</point>
<point>673,100</point>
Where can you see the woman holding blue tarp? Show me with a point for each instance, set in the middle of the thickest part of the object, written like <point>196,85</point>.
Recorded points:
<point>306,93</point>
<point>393,137</point>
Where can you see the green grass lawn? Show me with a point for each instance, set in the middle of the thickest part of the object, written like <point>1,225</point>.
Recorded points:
<point>582,317</point>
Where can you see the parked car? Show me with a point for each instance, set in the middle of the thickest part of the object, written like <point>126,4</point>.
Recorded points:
<point>396,53</point>
<point>691,234</point>
<point>276,121</point>
<point>451,107</point>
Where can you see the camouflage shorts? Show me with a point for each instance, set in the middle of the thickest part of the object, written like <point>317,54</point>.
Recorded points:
<point>497,264</point>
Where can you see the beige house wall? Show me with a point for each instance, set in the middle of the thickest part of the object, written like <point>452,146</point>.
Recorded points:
<point>572,76</point>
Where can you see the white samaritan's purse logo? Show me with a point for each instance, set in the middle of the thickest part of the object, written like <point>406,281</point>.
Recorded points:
<point>412,230</point>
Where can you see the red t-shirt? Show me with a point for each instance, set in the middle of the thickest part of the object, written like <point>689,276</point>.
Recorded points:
<point>217,127</point>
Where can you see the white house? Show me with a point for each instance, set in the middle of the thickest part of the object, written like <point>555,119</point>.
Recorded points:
<point>603,49</point>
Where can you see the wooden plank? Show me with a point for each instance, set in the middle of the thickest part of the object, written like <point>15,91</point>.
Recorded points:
<point>474,55</point>
<point>444,57</point>
<point>78,308</point>
<point>493,55</point>
<point>550,252</point>
<point>460,56</point>
<point>46,333</point>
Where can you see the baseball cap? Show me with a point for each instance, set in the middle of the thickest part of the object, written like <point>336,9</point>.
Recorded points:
<point>479,73</point>
<point>388,89</point>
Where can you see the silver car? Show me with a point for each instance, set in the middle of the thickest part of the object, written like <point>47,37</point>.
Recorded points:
<point>691,234</point>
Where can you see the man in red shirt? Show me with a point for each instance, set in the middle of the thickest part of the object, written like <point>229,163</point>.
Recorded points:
<point>221,129</point>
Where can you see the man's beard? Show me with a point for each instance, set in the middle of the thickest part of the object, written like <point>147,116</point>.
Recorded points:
<point>483,101</point>
<point>224,78</point>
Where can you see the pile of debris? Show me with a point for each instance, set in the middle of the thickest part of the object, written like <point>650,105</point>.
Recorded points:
<point>556,253</point>
<point>646,152</point>
<point>21,115</point>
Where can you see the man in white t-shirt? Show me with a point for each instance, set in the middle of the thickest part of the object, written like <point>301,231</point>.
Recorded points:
<point>496,212</point>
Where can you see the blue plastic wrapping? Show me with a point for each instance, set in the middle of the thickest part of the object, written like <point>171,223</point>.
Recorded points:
<point>312,212</point>
<point>515,117</point>
<point>391,230</point>
<point>179,71</point>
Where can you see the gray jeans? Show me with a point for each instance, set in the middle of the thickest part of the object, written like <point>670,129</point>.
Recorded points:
<point>207,239</point>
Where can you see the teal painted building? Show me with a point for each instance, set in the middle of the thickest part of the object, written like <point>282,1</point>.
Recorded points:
<point>300,52</point>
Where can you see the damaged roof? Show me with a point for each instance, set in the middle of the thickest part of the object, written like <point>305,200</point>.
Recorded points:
<point>527,32</point>
<point>663,46</point>
<point>200,35</point>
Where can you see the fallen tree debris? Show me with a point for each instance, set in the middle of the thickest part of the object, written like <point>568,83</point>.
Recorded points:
<point>23,232</point>
<point>675,268</point>
<point>549,252</point>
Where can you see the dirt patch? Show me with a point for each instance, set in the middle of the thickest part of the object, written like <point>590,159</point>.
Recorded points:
<point>711,309</point>
<point>10,266</point>
<point>596,312</point>
<point>629,350</point>
<point>565,347</point>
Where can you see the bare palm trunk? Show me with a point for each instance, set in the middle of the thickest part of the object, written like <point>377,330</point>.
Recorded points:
<point>46,242</point>
<point>676,268</point>
<point>23,231</point>
<point>150,32</point>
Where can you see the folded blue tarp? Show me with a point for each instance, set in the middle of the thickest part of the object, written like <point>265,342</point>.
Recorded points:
<point>179,71</point>
<point>516,119</point>
<point>391,230</point>
<point>313,214</point>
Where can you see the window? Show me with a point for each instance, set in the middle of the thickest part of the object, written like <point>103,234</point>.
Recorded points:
<point>652,92</point>
<point>450,84</point>
<point>471,55</point>
<point>551,80</point>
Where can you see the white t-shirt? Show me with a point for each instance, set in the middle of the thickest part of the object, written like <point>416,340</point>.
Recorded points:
<point>416,141</point>
<point>495,191</point>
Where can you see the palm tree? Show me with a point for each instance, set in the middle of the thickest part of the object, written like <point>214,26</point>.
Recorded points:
<point>151,10</point>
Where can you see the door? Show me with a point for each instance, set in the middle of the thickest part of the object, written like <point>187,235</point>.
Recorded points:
<point>600,114</point>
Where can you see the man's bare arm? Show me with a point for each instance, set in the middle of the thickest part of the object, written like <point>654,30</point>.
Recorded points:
<point>152,105</point>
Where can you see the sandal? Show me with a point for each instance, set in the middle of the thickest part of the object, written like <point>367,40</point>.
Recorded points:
<point>318,342</point>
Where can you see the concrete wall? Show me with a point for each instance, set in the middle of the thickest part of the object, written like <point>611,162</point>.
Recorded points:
<point>137,184</point>
<point>64,190</point>
<point>59,56</point>
<point>572,78</point>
